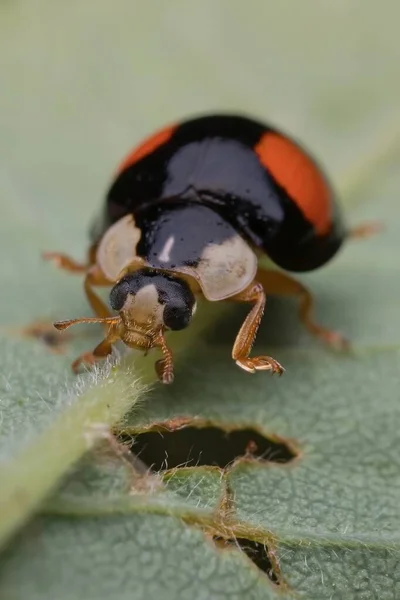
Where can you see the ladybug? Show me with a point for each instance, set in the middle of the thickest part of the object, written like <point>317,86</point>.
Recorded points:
<point>189,213</point>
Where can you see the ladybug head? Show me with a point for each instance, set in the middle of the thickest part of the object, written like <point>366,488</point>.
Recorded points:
<point>149,300</point>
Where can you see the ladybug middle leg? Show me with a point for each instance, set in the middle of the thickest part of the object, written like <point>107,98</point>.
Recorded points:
<point>66,263</point>
<point>94,277</point>
<point>276,283</point>
<point>255,294</point>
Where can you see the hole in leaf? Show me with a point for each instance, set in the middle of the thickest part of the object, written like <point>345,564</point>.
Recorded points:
<point>207,446</point>
<point>257,552</point>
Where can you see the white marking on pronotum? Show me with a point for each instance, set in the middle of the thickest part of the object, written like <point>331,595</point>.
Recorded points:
<point>165,254</point>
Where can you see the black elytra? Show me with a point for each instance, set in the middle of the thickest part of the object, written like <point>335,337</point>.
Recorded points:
<point>204,180</point>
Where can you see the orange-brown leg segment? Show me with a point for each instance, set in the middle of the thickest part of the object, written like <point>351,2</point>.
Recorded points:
<point>365,230</point>
<point>95,277</point>
<point>165,366</point>
<point>101,351</point>
<point>65,262</point>
<point>255,294</point>
<point>62,261</point>
<point>276,283</point>
<point>89,358</point>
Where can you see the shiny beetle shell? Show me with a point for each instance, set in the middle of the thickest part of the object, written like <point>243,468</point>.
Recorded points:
<point>207,190</point>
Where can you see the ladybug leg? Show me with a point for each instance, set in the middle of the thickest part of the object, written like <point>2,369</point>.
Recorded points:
<point>165,366</point>
<point>113,325</point>
<point>95,277</point>
<point>62,261</point>
<point>277,283</point>
<point>255,294</point>
<point>365,230</point>
<point>101,351</point>
<point>65,262</point>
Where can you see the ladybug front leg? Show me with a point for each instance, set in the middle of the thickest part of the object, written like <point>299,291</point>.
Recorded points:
<point>103,349</point>
<point>255,294</point>
<point>89,358</point>
<point>277,283</point>
<point>165,366</point>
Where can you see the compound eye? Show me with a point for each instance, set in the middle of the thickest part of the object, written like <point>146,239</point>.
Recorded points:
<point>119,294</point>
<point>177,316</point>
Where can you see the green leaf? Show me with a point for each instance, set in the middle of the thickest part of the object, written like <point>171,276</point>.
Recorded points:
<point>82,83</point>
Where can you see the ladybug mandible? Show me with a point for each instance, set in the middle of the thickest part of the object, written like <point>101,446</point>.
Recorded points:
<point>188,213</point>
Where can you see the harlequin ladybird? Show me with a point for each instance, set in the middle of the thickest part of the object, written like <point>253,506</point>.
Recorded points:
<point>188,214</point>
